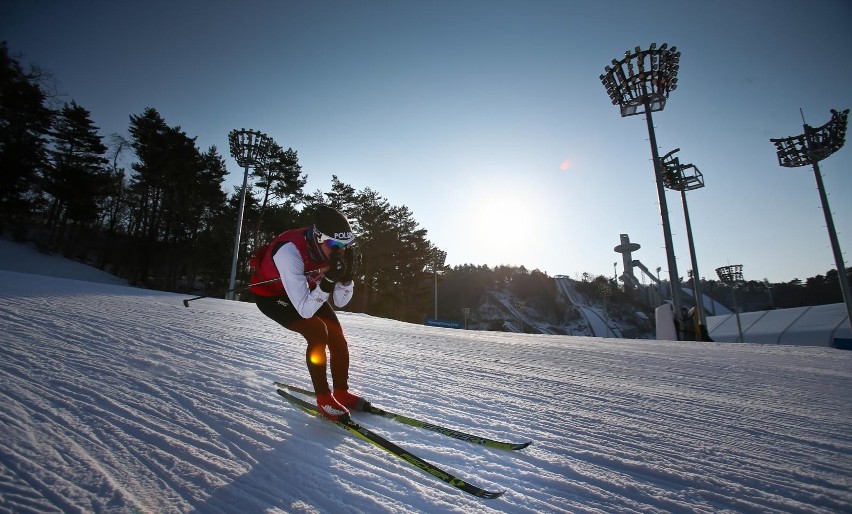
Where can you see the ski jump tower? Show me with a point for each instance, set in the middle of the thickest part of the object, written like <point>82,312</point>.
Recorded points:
<point>626,249</point>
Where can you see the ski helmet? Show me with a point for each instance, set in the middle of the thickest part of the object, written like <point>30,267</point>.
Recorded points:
<point>331,227</point>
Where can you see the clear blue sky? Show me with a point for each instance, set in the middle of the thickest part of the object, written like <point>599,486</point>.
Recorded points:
<point>487,118</point>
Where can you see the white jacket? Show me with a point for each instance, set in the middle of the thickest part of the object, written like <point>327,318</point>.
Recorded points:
<point>297,283</point>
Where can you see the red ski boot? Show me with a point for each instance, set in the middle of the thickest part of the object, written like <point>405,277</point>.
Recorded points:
<point>351,401</point>
<point>330,408</point>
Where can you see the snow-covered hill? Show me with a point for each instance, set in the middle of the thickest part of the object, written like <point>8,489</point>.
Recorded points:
<point>574,315</point>
<point>117,399</point>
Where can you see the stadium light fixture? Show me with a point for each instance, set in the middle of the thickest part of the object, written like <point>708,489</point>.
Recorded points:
<point>249,148</point>
<point>683,178</point>
<point>809,148</point>
<point>733,276</point>
<point>641,83</point>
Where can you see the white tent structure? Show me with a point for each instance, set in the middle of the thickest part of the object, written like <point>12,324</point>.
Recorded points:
<point>819,325</point>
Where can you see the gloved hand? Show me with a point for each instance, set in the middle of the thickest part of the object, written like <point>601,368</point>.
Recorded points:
<point>336,270</point>
<point>352,264</point>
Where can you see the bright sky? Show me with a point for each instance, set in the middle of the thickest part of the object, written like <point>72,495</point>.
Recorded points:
<point>487,118</point>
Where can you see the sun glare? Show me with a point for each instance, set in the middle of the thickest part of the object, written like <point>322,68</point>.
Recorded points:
<point>318,356</point>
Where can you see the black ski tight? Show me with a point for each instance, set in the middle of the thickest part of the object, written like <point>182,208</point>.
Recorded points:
<point>321,331</point>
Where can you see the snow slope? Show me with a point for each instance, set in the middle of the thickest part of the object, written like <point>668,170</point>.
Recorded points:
<point>24,258</point>
<point>114,399</point>
<point>599,325</point>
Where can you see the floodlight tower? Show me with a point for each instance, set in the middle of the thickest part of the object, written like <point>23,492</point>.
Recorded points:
<point>683,178</point>
<point>733,276</point>
<point>641,83</point>
<point>809,148</point>
<point>438,260</point>
<point>249,148</point>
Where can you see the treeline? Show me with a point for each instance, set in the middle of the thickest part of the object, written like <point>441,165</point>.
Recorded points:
<point>464,286</point>
<point>751,295</point>
<point>63,187</point>
<point>754,295</point>
<point>166,222</point>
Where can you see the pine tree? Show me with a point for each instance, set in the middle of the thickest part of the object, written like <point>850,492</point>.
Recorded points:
<point>164,189</point>
<point>24,124</point>
<point>279,178</point>
<point>77,178</point>
<point>394,249</point>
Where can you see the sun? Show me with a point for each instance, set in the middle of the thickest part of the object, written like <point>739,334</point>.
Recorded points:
<point>500,213</point>
<point>500,221</point>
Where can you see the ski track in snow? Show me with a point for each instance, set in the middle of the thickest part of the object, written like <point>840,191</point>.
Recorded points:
<point>117,399</point>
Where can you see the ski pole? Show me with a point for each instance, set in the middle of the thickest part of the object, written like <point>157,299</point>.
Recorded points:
<point>186,302</point>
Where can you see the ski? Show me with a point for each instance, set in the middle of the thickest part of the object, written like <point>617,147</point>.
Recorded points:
<point>475,439</point>
<point>392,448</point>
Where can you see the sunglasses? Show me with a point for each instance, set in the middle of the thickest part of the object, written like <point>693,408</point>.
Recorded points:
<point>332,243</point>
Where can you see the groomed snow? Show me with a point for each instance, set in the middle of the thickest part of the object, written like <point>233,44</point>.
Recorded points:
<point>115,399</point>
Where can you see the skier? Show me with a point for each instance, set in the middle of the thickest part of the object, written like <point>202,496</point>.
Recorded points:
<point>315,264</point>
